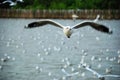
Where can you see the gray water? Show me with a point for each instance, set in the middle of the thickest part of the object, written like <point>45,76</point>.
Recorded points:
<point>41,53</point>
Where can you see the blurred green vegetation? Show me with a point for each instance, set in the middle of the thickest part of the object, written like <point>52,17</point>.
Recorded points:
<point>69,4</point>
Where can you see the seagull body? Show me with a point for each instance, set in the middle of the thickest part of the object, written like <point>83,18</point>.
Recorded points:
<point>67,30</point>
<point>74,16</point>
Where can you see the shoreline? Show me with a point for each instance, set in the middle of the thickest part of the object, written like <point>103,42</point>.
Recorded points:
<point>59,14</point>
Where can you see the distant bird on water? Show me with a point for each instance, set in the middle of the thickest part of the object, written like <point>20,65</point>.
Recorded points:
<point>67,30</point>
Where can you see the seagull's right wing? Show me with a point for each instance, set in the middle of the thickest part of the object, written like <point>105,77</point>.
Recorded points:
<point>42,23</point>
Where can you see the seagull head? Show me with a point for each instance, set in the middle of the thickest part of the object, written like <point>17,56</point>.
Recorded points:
<point>68,27</point>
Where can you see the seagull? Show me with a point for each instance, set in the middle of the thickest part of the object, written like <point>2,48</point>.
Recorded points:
<point>11,3</point>
<point>74,16</point>
<point>98,16</point>
<point>67,30</point>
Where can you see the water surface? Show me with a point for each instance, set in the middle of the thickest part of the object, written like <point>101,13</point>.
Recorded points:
<point>41,53</point>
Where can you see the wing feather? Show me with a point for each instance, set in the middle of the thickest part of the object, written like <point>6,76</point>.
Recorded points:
<point>42,23</point>
<point>94,25</point>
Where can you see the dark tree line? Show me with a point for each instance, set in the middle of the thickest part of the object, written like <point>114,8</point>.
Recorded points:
<point>69,4</point>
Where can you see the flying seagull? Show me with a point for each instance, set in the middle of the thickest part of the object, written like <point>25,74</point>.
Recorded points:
<point>11,3</point>
<point>74,16</point>
<point>67,30</point>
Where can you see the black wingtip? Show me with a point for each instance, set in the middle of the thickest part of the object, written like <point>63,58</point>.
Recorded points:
<point>26,27</point>
<point>110,32</point>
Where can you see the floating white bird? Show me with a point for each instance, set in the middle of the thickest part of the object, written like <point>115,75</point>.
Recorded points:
<point>67,29</point>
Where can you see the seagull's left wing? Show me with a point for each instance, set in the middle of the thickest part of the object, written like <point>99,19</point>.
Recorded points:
<point>94,25</point>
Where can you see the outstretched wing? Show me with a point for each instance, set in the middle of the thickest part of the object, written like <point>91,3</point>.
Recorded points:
<point>42,23</point>
<point>94,25</point>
